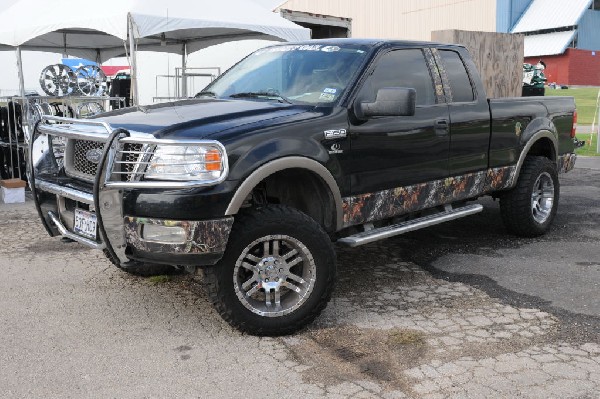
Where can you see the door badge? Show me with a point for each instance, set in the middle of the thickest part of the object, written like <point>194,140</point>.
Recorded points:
<point>335,134</point>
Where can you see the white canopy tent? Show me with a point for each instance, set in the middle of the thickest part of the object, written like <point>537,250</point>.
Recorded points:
<point>122,27</point>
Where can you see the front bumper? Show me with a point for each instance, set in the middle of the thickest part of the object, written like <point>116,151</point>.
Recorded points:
<point>56,197</point>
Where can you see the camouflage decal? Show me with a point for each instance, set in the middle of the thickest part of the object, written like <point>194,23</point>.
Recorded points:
<point>209,236</point>
<point>384,204</point>
<point>500,178</point>
<point>443,74</point>
<point>435,74</point>
<point>566,162</point>
<point>365,208</point>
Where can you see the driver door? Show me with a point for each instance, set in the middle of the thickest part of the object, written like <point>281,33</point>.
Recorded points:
<point>397,151</point>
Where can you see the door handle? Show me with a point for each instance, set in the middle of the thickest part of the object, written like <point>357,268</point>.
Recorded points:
<point>441,126</point>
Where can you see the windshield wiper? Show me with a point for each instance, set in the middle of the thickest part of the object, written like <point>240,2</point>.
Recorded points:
<point>256,94</point>
<point>205,93</point>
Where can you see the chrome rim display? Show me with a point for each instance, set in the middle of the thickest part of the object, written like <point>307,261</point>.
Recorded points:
<point>58,80</point>
<point>542,198</point>
<point>91,80</point>
<point>274,275</point>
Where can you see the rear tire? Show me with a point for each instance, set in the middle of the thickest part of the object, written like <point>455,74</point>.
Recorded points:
<point>277,273</point>
<point>529,208</point>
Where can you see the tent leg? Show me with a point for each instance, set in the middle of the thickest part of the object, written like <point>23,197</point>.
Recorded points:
<point>20,70</point>
<point>184,91</point>
<point>133,64</point>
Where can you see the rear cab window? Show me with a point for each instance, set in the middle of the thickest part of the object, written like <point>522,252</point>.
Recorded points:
<point>460,84</point>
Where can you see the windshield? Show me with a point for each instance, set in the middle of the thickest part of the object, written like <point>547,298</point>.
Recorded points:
<point>299,74</point>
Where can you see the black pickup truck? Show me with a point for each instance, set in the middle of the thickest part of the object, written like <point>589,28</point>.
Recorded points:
<point>295,148</point>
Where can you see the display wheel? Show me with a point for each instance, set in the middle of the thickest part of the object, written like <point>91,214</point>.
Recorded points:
<point>88,109</point>
<point>91,80</point>
<point>58,80</point>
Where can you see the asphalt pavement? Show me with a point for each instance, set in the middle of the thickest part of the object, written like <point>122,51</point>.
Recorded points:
<point>458,310</point>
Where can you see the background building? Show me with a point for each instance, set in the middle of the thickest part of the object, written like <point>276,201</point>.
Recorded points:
<point>564,33</point>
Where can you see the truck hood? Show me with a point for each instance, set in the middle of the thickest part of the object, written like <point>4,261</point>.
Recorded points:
<point>198,118</point>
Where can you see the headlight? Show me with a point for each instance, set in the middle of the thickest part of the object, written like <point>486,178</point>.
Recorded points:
<point>193,162</point>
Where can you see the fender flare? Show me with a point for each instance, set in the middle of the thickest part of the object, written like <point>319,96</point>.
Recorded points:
<point>292,162</point>
<point>532,140</point>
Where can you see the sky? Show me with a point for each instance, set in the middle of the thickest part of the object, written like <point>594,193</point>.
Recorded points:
<point>150,64</point>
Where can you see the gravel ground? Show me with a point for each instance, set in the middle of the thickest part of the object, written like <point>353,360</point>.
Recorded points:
<point>459,310</point>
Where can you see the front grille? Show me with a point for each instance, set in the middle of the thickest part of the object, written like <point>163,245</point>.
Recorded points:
<point>81,165</point>
<point>129,165</point>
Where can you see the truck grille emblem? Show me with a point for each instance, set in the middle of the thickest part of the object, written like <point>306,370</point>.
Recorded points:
<point>94,155</point>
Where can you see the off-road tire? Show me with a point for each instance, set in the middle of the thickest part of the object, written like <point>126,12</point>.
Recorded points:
<point>257,223</point>
<point>143,269</point>
<point>516,204</point>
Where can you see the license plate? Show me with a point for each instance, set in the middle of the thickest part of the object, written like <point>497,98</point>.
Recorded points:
<point>85,224</point>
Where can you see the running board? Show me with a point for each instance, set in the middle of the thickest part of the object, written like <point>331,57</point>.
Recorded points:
<point>411,225</point>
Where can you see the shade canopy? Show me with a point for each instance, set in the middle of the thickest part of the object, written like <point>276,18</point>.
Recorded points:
<point>99,30</point>
<point>551,14</point>
<point>548,43</point>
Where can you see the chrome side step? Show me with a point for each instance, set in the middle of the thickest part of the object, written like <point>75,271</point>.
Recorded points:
<point>410,225</point>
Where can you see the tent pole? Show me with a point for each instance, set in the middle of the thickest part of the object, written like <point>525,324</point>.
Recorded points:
<point>65,55</point>
<point>133,64</point>
<point>24,110</point>
<point>184,93</point>
<point>20,70</point>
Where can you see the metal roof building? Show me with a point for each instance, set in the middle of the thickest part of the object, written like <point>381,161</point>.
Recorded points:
<point>416,19</point>
<point>553,28</point>
<point>403,19</point>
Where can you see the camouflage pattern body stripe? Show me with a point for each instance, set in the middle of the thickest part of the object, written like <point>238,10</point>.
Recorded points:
<point>500,178</point>
<point>365,208</point>
<point>440,97</point>
<point>566,162</point>
<point>201,237</point>
<point>443,74</point>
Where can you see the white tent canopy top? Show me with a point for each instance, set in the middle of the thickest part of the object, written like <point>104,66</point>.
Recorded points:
<point>122,27</point>
<point>158,25</point>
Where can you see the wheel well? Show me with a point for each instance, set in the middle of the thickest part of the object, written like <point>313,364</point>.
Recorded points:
<point>543,147</point>
<point>300,189</point>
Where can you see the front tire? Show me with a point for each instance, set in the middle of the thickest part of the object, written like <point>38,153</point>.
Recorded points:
<point>529,209</point>
<point>277,273</point>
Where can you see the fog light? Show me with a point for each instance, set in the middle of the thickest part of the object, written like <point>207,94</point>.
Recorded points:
<point>163,234</point>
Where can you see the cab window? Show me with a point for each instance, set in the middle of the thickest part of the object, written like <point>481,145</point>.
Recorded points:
<point>401,68</point>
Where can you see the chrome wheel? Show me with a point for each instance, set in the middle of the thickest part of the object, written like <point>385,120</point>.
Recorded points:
<point>542,198</point>
<point>274,275</point>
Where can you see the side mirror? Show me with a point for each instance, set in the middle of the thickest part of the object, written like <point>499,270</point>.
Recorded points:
<point>390,101</point>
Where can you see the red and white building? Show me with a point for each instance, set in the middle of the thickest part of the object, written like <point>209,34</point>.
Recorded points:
<point>566,36</point>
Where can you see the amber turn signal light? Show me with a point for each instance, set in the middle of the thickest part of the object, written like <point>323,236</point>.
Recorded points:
<point>213,160</point>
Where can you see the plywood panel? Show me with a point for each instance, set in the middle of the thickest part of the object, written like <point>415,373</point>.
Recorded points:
<point>498,56</point>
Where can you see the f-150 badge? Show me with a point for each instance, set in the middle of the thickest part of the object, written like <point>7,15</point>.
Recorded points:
<point>335,134</point>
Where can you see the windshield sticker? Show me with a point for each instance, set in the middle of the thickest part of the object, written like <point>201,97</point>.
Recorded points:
<point>330,49</point>
<point>296,47</point>
<point>327,97</point>
<point>330,91</point>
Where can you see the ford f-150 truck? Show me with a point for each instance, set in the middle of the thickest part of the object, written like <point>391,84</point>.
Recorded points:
<point>296,148</point>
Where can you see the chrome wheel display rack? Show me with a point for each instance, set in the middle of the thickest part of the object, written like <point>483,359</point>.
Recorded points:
<point>18,116</point>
